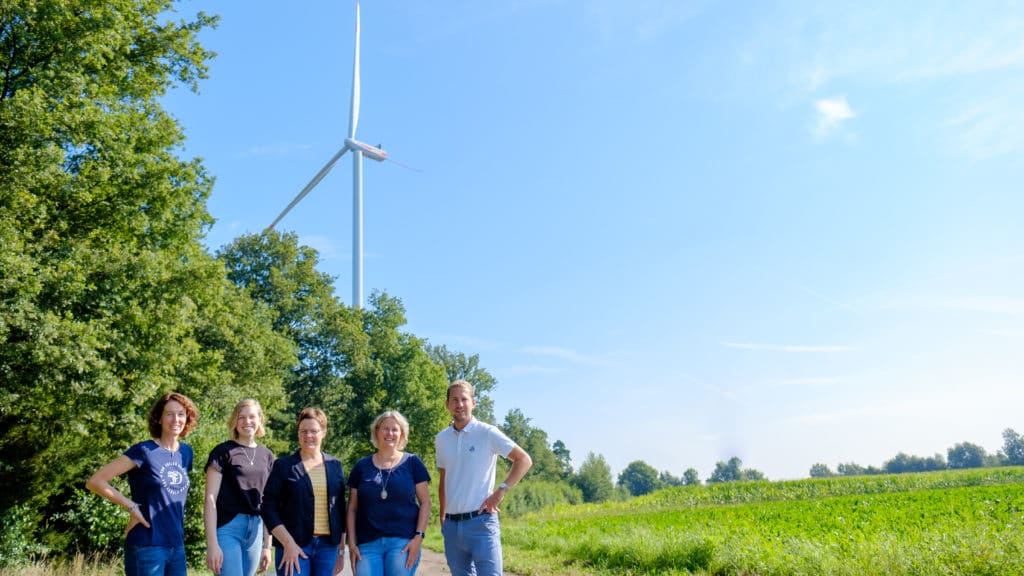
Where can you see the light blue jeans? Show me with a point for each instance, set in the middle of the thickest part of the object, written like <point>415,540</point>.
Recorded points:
<point>384,557</point>
<point>154,560</point>
<point>473,546</point>
<point>240,540</point>
<point>321,555</point>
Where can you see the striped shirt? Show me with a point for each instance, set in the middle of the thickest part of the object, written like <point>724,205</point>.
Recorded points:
<point>321,523</point>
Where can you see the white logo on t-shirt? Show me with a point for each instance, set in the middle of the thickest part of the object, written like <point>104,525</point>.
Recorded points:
<point>174,478</point>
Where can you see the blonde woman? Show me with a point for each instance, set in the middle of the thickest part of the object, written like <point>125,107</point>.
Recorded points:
<point>236,472</point>
<point>389,503</point>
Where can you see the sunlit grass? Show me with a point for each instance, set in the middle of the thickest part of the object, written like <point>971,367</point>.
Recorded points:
<point>962,523</point>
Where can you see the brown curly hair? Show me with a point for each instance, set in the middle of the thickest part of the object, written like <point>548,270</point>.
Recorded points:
<point>156,413</point>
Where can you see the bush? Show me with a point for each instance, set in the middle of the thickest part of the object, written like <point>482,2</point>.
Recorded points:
<point>93,523</point>
<point>18,541</point>
<point>534,495</point>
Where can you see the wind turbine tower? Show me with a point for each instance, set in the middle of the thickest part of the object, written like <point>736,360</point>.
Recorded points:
<point>358,149</point>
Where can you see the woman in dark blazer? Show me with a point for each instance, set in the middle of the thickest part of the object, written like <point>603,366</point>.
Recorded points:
<point>304,504</point>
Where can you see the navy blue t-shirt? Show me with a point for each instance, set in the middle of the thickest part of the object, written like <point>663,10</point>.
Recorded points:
<point>396,515</point>
<point>159,484</point>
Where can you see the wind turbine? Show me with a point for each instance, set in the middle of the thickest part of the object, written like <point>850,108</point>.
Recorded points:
<point>358,149</point>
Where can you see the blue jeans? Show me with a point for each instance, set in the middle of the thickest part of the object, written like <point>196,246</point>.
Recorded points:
<point>241,540</point>
<point>321,555</point>
<point>384,557</point>
<point>154,560</point>
<point>473,546</point>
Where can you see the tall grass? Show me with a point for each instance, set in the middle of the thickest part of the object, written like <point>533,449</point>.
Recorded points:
<point>962,523</point>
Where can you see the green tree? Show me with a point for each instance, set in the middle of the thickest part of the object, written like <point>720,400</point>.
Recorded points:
<point>733,471</point>
<point>667,479</point>
<point>820,470</point>
<point>903,463</point>
<point>727,471</point>
<point>535,441</point>
<point>966,455</point>
<point>398,375</point>
<point>109,297</point>
<point>594,479</point>
<point>1013,447</point>
<point>639,478</point>
<point>691,477</point>
<point>850,469</point>
<point>458,366</point>
<point>563,457</point>
<point>280,274</point>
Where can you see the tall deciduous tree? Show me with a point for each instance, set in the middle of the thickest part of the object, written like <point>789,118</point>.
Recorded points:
<point>594,479</point>
<point>109,297</point>
<point>535,441</point>
<point>398,375</point>
<point>279,273</point>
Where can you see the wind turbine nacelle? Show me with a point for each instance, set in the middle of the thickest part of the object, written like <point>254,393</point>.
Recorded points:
<point>371,152</point>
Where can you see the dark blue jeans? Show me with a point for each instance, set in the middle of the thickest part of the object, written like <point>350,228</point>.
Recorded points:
<point>154,560</point>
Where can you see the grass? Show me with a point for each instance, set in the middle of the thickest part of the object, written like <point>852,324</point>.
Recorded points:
<point>964,523</point>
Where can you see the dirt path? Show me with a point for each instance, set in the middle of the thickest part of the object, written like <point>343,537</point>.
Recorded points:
<point>431,564</point>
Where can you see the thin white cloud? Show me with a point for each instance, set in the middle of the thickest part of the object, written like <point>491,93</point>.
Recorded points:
<point>796,348</point>
<point>989,128</point>
<point>831,114</point>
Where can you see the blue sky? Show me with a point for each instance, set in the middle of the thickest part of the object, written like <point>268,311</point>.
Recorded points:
<point>673,231</point>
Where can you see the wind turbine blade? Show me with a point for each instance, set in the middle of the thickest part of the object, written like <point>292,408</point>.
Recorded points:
<point>353,120</point>
<point>309,187</point>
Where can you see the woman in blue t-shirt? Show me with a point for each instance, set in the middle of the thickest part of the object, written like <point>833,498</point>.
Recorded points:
<point>236,472</point>
<point>157,472</point>
<point>389,503</point>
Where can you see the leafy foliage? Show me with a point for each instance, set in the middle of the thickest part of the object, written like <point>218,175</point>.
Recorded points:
<point>639,478</point>
<point>594,479</point>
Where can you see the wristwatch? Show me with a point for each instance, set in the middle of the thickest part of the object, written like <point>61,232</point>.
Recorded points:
<point>503,486</point>
<point>420,534</point>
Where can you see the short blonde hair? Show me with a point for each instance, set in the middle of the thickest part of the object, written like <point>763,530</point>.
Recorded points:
<point>459,384</point>
<point>261,429</point>
<point>403,424</point>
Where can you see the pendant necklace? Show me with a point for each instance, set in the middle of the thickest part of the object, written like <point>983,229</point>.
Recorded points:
<point>251,459</point>
<point>384,488</point>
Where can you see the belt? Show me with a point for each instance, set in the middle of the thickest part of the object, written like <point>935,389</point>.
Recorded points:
<point>464,516</point>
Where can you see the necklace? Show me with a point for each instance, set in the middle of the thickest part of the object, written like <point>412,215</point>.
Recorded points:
<point>251,459</point>
<point>380,474</point>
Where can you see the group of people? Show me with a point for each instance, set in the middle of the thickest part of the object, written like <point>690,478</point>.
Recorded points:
<point>297,505</point>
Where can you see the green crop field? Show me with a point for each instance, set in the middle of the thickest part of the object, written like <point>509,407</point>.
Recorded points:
<point>954,522</point>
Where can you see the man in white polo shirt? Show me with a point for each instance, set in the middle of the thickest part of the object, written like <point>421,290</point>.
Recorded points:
<point>467,455</point>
